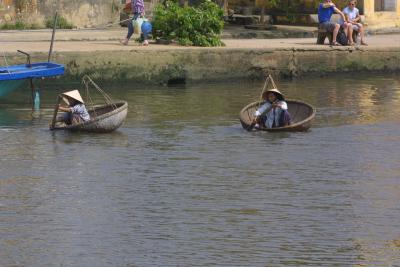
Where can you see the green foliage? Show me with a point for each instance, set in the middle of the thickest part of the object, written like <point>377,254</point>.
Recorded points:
<point>62,23</point>
<point>7,26</point>
<point>198,26</point>
<point>19,25</point>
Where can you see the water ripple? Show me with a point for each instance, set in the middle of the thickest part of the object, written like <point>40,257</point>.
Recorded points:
<point>181,184</point>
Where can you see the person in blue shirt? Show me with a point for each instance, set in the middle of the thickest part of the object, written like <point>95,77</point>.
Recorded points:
<point>325,11</point>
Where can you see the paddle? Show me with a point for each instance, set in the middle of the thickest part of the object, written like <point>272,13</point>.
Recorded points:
<point>53,122</point>
<point>252,125</point>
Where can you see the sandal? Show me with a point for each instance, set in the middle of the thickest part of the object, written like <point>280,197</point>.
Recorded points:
<point>335,44</point>
<point>364,43</point>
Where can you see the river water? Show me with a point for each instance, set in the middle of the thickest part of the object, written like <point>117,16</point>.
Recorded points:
<point>182,184</point>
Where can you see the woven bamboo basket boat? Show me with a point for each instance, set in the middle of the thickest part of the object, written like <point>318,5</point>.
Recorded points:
<point>301,113</point>
<point>103,118</point>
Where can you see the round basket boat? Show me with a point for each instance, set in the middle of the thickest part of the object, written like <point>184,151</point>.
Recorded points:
<point>104,118</point>
<point>301,113</point>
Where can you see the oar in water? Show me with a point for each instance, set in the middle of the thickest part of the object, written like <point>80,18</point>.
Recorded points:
<point>253,123</point>
<point>53,122</point>
<point>251,126</point>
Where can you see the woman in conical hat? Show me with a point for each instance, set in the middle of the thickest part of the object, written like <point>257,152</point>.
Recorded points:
<point>74,94</point>
<point>276,92</point>
<point>76,111</point>
<point>273,112</point>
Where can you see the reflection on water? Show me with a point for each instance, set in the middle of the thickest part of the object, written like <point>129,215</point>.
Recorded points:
<point>182,184</point>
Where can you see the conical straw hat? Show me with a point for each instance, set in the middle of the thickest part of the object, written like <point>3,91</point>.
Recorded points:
<point>74,94</point>
<point>276,91</point>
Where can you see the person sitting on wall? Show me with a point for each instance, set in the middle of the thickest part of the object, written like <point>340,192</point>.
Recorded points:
<point>353,22</point>
<point>325,11</point>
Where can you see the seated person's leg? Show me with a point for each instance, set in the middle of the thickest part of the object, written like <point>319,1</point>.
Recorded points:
<point>67,118</point>
<point>285,119</point>
<point>329,27</point>
<point>355,33</point>
<point>335,33</point>
<point>345,27</point>
<point>362,33</point>
<point>350,34</point>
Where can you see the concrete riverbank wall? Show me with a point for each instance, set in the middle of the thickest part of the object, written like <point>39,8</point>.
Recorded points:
<point>162,66</point>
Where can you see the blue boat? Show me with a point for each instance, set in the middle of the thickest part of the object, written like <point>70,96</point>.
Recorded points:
<point>11,77</point>
<point>30,71</point>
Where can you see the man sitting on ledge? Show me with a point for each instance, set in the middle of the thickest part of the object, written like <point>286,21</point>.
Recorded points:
<point>353,22</point>
<point>325,11</point>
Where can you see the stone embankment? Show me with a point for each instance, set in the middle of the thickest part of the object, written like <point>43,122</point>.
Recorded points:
<point>99,54</point>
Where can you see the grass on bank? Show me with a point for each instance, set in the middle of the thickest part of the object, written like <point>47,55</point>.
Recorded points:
<point>62,23</point>
<point>19,25</point>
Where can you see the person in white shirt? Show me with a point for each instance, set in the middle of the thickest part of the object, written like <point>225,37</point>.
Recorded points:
<point>273,111</point>
<point>353,22</point>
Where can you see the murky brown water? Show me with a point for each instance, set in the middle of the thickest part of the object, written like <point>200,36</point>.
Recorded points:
<point>182,184</point>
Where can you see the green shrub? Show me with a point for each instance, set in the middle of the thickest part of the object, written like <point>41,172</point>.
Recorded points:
<point>19,25</point>
<point>62,23</point>
<point>6,26</point>
<point>198,26</point>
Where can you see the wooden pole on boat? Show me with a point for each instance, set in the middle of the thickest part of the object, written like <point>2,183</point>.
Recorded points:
<point>32,93</point>
<point>268,79</point>
<point>53,122</point>
<point>52,36</point>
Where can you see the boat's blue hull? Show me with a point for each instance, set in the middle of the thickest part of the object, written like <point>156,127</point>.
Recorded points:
<point>34,70</point>
<point>11,77</point>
